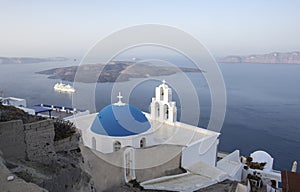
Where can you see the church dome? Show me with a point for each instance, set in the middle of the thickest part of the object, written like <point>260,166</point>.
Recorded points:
<point>120,120</point>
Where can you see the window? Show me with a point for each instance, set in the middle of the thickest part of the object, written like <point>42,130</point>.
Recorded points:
<point>161,94</point>
<point>166,111</point>
<point>143,142</point>
<point>157,109</point>
<point>129,166</point>
<point>117,146</point>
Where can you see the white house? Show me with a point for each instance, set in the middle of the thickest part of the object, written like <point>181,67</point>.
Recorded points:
<point>13,101</point>
<point>17,102</point>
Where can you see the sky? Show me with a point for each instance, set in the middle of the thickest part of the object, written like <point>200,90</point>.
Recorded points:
<point>70,28</point>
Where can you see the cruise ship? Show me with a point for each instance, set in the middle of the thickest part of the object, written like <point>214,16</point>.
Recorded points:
<point>64,87</point>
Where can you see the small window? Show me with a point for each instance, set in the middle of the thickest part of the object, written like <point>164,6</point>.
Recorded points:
<point>117,146</point>
<point>166,111</point>
<point>143,142</point>
<point>93,143</point>
<point>157,109</point>
<point>161,94</point>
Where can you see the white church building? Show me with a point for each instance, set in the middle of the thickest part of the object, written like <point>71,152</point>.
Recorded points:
<point>133,140</point>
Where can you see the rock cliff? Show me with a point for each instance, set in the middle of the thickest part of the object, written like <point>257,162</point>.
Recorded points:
<point>30,154</point>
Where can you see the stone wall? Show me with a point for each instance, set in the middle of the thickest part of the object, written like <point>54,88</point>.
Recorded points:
<point>33,141</point>
<point>67,144</point>
<point>39,138</point>
<point>12,142</point>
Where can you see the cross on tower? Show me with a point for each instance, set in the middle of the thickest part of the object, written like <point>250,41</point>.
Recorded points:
<point>164,81</point>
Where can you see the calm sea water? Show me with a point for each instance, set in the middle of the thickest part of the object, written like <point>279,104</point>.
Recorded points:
<point>263,103</point>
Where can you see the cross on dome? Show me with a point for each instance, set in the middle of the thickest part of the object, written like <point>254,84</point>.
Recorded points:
<point>120,97</point>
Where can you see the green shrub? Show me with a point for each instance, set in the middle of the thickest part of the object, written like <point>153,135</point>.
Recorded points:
<point>63,129</point>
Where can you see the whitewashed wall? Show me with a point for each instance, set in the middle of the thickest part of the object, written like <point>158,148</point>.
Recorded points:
<point>204,150</point>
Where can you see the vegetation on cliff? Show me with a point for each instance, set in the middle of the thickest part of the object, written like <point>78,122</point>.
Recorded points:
<point>63,129</point>
<point>9,113</point>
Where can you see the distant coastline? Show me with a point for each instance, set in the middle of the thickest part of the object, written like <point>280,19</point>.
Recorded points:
<point>272,58</point>
<point>25,60</point>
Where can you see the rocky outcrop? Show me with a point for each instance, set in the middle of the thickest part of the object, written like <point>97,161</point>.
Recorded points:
<point>275,57</point>
<point>16,184</point>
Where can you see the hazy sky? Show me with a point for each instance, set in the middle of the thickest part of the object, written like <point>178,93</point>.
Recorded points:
<point>70,28</point>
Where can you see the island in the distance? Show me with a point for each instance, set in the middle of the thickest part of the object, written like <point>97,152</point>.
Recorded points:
<point>115,71</point>
<point>26,60</point>
<point>273,58</point>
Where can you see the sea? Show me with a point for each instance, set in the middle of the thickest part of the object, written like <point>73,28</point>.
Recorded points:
<point>262,110</point>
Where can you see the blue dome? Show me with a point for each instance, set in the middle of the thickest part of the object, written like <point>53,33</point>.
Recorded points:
<point>120,120</point>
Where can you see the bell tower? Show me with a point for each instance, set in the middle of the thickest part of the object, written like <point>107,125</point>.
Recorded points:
<point>162,107</point>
